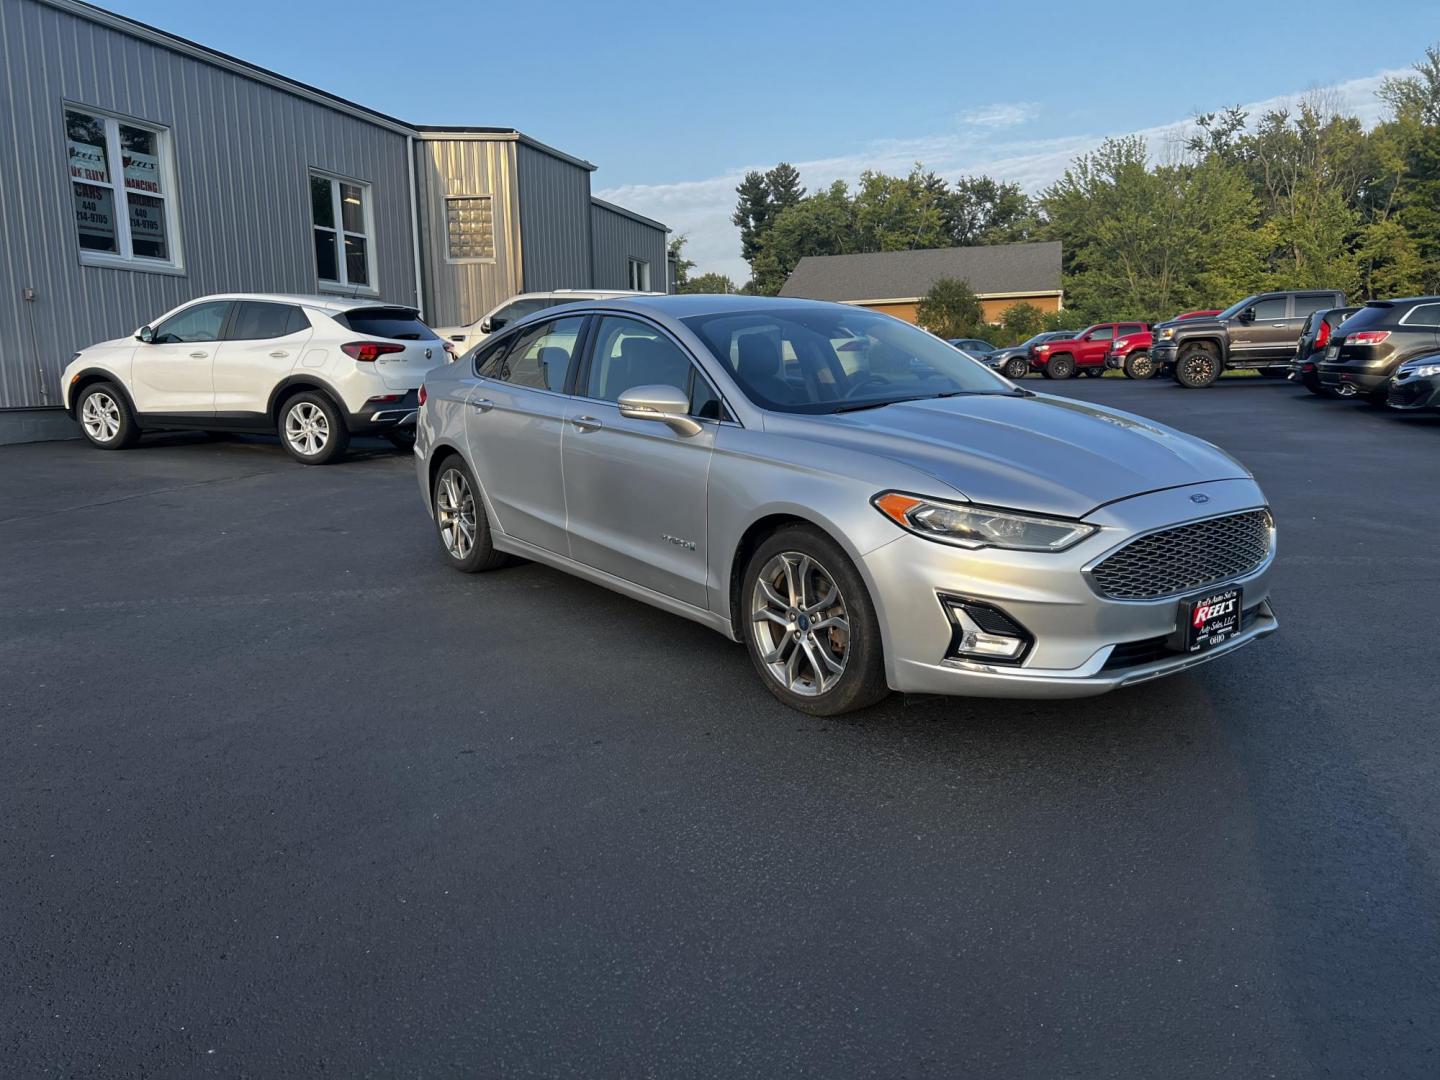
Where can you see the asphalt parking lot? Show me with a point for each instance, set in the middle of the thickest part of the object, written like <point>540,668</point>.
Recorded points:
<point>282,795</point>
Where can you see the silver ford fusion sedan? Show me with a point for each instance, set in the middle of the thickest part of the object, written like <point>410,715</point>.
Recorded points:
<point>865,507</point>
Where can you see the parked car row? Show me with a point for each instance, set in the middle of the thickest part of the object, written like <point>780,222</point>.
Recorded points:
<point>1386,352</point>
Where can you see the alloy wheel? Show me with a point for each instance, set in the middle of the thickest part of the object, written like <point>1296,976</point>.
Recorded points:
<point>455,513</point>
<point>800,624</point>
<point>1142,367</point>
<point>100,416</point>
<point>1199,367</point>
<point>307,428</point>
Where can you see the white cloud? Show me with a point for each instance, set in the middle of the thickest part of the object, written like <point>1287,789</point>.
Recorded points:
<point>1001,115</point>
<point>701,208</point>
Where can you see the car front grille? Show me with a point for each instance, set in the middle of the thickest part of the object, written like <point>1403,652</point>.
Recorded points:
<point>1174,561</point>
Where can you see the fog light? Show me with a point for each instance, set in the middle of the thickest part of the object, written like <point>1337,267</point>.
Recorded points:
<point>984,632</point>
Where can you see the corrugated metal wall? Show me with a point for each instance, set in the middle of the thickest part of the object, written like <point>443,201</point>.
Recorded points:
<point>460,292</point>
<point>615,239</point>
<point>242,151</point>
<point>554,220</point>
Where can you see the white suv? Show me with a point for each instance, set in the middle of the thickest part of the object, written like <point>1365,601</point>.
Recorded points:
<point>464,338</point>
<point>314,369</point>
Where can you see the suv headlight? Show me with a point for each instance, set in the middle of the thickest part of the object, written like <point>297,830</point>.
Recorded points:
<point>1424,371</point>
<point>970,526</point>
<point>1167,333</point>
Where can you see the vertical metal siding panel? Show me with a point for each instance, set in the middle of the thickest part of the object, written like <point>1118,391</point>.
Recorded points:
<point>554,200</point>
<point>242,150</point>
<point>462,292</point>
<point>616,239</point>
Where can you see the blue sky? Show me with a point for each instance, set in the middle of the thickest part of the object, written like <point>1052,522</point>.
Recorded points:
<point>674,101</point>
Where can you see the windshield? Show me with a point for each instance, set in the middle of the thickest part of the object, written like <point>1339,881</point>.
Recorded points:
<point>1235,309</point>
<point>830,359</point>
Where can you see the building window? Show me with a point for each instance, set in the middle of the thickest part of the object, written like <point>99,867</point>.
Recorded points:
<point>639,274</point>
<point>469,228</point>
<point>124,215</point>
<point>343,228</point>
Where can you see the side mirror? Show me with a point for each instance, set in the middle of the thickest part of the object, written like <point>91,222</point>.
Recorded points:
<point>1247,316</point>
<point>668,404</point>
<point>145,334</point>
<point>491,324</point>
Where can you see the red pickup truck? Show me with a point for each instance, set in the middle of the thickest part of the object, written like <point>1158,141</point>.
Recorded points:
<point>1131,353</point>
<point>1085,351</point>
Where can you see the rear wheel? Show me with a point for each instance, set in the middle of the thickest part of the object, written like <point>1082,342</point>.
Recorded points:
<point>1059,367</point>
<point>1094,372</point>
<point>1312,384</point>
<point>105,417</point>
<point>1138,365</point>
<point>460,519</point>
<point>1197,367</point>
<point>401,438</point>
<point>810,626</point>
<point>1017,368</point>
<point>312,429</point>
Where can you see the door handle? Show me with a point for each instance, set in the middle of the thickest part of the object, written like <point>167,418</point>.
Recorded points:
<point>278,353</point>
<point>586,423</point>
<point>482,404</point>
<point>199,355</point>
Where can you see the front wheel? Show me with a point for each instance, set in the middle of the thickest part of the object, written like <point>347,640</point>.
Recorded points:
<point>810,626</point>
<point>1059,367</point>
<point>105,417</point>
<point>1138,365</point>
<point>1197,367</point>
<point>1017,368</point>
<point>312,429</point>
<point>461,521</point>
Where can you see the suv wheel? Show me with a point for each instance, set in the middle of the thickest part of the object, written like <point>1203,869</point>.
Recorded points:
<point>460,519</point>
<point>1197,366</point>
<point>1094,372</point>
<point>312,429</point>
<point>1017,368</point>
<point>1138,365</point>
<point>810,626</point>
<point>1059,367</point>
<point>105,417</point>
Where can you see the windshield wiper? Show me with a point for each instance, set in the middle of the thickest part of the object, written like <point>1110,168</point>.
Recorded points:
<point>918,397</point>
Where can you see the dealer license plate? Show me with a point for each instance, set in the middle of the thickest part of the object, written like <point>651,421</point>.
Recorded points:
<point>1211,619</point>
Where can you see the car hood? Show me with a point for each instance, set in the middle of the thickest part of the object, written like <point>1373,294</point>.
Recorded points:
<point>1034,452</point>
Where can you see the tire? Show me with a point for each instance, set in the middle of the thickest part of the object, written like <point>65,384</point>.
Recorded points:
<point>1017,368</point>
<point>789,655</point>
<point>1197,366</point>
<point>1311,383</point>
<point>1138,365</point>
<point>401,438</point>
<point>312,429</point>
<point>1094,372</point>
<point>1059,367</point>
<point>455,501</point>
<point>105,417</point>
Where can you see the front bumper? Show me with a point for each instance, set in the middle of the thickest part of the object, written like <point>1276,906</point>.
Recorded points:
<point>1414,393</point>
<point>1075,630</point>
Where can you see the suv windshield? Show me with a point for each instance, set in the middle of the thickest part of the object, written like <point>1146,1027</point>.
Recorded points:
<point>829,359</point>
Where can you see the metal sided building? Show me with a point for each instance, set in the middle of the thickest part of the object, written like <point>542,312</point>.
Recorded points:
<point>144,170</point>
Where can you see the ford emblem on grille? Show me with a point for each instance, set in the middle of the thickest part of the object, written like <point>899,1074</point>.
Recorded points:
<point>1200,498</point>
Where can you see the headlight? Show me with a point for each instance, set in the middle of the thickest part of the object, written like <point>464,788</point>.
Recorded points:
<point>1424,371</point>
<point>971,526</point>
<point>1167,333</point>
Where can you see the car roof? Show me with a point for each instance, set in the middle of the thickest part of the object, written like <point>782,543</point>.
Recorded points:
<point>687,305</point>
<point>312,300</point>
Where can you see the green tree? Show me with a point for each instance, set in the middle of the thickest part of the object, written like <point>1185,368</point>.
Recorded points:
<point>978,210</point>
<point>710,282</point>
<point>1021,321</point>
<point>762,198</point>
<point>681,266</point>
<point>822,224</point>
<point>950,310</point>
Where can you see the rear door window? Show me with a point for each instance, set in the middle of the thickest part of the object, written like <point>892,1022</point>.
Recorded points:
<point>540,356</point>
<point>398,324</point>
<point>255,321</point>
<point>1423,315</point>
<point>1307,304</point>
